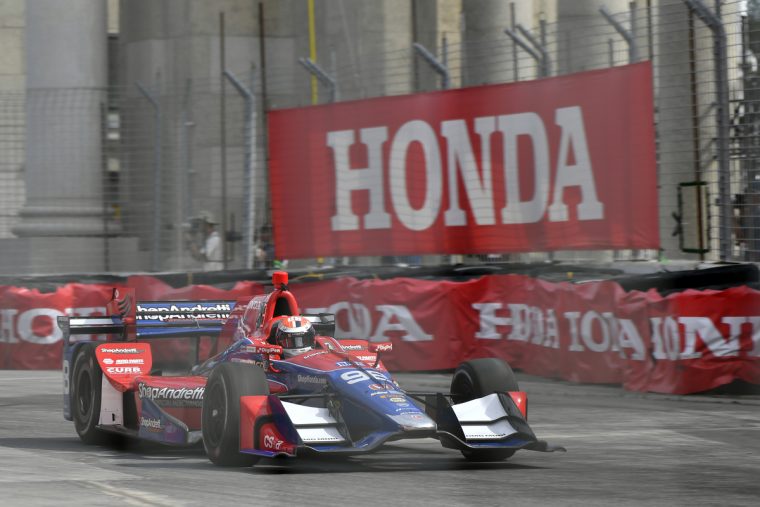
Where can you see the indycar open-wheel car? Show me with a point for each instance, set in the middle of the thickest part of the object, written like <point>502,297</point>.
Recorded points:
<point>247,397</point>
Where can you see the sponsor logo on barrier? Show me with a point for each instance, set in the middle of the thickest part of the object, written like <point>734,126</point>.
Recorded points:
<point>673,338</point>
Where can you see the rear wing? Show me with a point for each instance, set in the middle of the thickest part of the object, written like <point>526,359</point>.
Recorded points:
<point>151,319</point>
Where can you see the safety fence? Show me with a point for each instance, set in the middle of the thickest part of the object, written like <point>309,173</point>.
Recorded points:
<point>127,179</point>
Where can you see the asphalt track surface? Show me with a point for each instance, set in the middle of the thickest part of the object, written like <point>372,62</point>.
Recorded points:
<point>623,449</point>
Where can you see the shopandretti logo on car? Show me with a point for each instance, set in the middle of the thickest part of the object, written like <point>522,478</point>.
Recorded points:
<point>122,351</point>
<point>169,395</point>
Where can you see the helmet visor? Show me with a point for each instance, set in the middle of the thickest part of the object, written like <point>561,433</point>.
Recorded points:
<point>296,340</point>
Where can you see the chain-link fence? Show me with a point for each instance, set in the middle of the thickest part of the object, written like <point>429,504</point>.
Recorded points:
<point>168,154</point>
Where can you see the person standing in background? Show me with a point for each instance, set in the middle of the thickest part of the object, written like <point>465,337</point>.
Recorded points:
<point>211,251</point>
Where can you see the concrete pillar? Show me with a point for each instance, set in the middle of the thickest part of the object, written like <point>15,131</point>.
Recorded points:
<point>489,55</point>
<point>678,103</point>
<point>66,82</point>
<point>173,49</point>
<point>432,20</point>
<point>12,111</point>
<point>583,35</point>
<point>371,45</point>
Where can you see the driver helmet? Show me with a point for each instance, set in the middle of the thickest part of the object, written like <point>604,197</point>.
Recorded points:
<point>295,335</point>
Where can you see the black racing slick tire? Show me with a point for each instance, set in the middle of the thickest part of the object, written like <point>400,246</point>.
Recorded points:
<point>475,379</point>
<point>221,411</point>
<point>85,396</point>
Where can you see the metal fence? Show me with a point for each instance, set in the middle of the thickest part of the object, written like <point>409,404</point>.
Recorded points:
<point>171,152</point>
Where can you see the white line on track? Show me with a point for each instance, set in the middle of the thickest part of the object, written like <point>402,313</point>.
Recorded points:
<point>130,496</point>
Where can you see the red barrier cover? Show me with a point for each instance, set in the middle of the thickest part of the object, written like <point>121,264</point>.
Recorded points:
<point>554,164</point>
<point>594,332</point>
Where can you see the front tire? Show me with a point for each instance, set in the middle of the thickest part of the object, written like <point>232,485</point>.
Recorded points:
<point>85,396</point>
<point>221,411</point>
<point>475,379</point>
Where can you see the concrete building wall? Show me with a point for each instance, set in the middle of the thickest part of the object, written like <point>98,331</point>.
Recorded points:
<point>12,83</point>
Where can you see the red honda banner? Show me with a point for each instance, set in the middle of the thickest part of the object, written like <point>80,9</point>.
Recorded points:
<point>554,164</point>
<point>594,332</point>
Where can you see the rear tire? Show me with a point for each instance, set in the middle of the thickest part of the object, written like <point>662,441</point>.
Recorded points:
<point>85,396</point>
<point>475,379</point>
<point>221,411</point>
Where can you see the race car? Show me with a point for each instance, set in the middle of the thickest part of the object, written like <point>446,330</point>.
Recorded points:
<point>266,381</point>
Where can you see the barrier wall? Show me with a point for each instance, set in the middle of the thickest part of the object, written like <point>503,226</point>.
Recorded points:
<point>594,332</point>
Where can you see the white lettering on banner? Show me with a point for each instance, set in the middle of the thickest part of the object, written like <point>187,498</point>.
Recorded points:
<point>710,336</point>
<point>665,338</point>
<point>16,327</point>
<point>420,132</point>
<point>528,323</point>
<point>478,182</point>
<point>628,337</point>
<point>25,326</point>
<point>581,175</point>
<point>755,335</point>
<point>513,126</point>
<point>347,180</point>
<point>7,334</point>
<point>479,189</point>
<point>392,318</point>
<point>405,322</point>
<point>603,332</point>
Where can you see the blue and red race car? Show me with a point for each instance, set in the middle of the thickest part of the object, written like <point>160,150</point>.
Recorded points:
<point>274,383</point>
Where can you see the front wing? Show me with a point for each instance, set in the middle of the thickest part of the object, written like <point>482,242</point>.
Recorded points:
<point>271,426</point>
